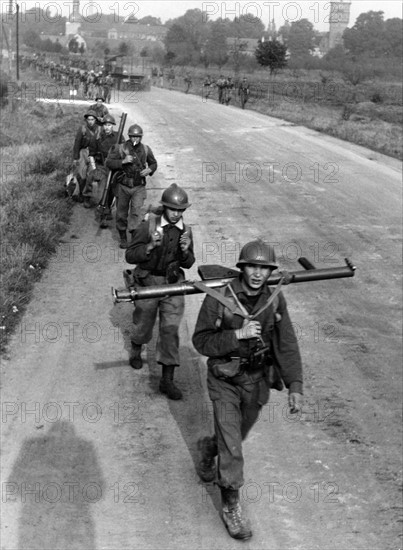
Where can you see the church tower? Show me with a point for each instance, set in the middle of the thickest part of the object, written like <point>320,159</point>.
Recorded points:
<point>338,21</point>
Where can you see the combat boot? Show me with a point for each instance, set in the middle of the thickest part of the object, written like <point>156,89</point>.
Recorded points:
<point>135,360</point>
<point>123,239</point>
<point>237,525</point>
<point>167,385</point>
<point>206,467</point>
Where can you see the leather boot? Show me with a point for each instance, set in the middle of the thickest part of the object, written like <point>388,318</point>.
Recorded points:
<point>206,467</point>
<point>167,385</point>
<point>135,360</point>
<point>237,525</point>
<point>123,239</point>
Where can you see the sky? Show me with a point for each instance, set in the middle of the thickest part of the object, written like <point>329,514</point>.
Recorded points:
<point>316,11</point>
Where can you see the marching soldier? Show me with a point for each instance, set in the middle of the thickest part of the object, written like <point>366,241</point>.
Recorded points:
<point>136,161</point>
<point>243,92</point>
<point>100,108</point>
<point>86,147</point>
<point>161,247</point>
<point>251,347</point>
<point>107,139</point>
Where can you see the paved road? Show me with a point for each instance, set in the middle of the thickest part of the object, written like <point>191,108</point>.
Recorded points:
<point>110,461</point>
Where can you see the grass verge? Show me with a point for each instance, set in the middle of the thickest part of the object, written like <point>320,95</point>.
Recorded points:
<point>35,143</point>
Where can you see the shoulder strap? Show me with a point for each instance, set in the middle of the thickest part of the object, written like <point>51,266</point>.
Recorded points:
<point>154,221</point>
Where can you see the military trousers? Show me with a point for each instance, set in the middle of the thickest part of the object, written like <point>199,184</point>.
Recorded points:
<point>236,408</point>
<point>170,311</point>
<point>130,207</point>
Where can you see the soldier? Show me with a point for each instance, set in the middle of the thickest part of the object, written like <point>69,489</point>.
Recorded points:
<point>188,81</point>
<point>136,161</point>
<point>161,246</point>
<point>229,90</point>
<point>251,347</point>
<point>107,138</point>
<point>221,85</point>
<point>86,147</point>
<point>243,92</point>
<point>100,108</point>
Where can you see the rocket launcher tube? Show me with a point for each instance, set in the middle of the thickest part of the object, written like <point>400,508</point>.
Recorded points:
<point>311,273</point>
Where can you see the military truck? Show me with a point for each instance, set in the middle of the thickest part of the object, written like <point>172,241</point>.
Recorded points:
<point>129,73</point>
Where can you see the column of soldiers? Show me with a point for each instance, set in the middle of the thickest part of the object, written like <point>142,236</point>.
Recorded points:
<point>86,83</point>
<point>244,330</point>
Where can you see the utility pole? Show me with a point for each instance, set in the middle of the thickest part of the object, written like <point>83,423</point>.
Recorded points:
<point>17,38</point>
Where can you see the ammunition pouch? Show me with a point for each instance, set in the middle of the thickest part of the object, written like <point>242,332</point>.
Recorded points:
<point>173,272</point>
<point>226,367</point>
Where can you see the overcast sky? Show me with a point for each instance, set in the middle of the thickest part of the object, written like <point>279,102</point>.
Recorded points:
<point>317,11</point>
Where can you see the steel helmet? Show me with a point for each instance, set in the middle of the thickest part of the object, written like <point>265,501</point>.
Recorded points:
<point>135,130</point>
<point>175,197</point>
<point>91,113</point>
<point>259,253</point>
<point>110,119</point>
<point>101,97</point>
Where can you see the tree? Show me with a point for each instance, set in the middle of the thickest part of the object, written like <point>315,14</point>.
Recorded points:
<point>247,26</point>
<point>186,36</point>
<point>367,36</point>
<point>73,45</point>
<point>271,54</point>
<point>393,37</point>
<point>123,48</point>
<point>216,49</point>
<point>301,39</point>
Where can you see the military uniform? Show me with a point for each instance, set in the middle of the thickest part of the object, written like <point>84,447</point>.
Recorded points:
<point>131,192</point>
<point>161,265</point>
<point>238,396</point>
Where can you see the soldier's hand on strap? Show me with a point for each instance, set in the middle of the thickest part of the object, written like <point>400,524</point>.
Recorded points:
<point>295,401</point>
<point>184,242</point>
<point>250,329</point>
<point>145,172</point>
<point>128,159</point>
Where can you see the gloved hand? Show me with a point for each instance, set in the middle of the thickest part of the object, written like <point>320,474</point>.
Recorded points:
<point>250,329</point>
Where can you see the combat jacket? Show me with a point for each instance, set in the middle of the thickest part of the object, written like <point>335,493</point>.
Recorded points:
<point>86,137</point>
<point>143,157</point>
<point>106,142</point>
<point>215,337</point>
<point>160,257</point>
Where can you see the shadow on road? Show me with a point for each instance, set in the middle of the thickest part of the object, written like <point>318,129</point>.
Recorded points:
<point>55,479</point>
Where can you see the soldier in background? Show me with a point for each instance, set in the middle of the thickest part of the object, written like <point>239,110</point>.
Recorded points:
<point>135,161</point>
<point>85,148</point>
<point>162,246</point>
<point>100,108</point>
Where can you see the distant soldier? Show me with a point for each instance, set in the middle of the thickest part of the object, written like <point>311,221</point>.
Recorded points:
<point>207,87</point>
<point>100,108</point>
<point>171,78</point>
<point>221,85</point>
<point>107,139</point>
<point>229,90</point>
<point>188,82</point>
<point>243,92</point>
<point>86,147</point>
<point>136,161</point>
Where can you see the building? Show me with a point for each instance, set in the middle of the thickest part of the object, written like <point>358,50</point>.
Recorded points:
<point>339,19</point>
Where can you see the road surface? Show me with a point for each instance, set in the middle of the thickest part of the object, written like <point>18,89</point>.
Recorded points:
<point>95,457</point>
